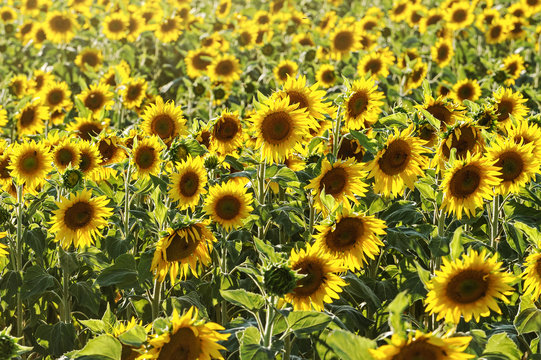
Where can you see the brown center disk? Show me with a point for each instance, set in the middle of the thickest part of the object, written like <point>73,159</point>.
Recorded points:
<point>78,215</point>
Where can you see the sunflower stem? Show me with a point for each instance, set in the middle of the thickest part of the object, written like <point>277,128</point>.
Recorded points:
<point>19,257</point>
<point>261,190</point>
<point>336,134</point>
<point>156,299</point>
<point>494,219</point>
<point>223,307</point>
<point>441,223</point>
<point>312,216</point>
<point>269,324</point>
<point>127,202</point>
<point>66,313</point>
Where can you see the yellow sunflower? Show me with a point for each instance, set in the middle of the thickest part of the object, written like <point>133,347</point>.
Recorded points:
<point>19,85</point>
<point>115,26</point>
<point>468,287</point>
<point>146,156</point>
<point>513,65</point>
<point>60,26</point>
<point>321,282</point>
<point>279,127</point>
<point>134,92</point>
<point>507,102</point>
<point>465,137</point>
<point>467,184</point>
<point>87,127</point>
<point>56,95</point>
<point>459,15</point>
<point>442,52</point>
<point>188,182</point>
<point>284,70</point>
<point>136,26</point>
<point>3,252</point>
<point>486,18</point>
<point>89,160</point>
<point>226,135</point>
<point>434,17</point>
<point>497,31</point>
<point>30,164</point>
<point>228,204</point>
<point>164,120</point>
<point>169,29</point>
<point>417,75</point>
<point>198,61</point>
<point>97,98</point>
<point>224,68</point>
<point>181,250</point>
<point>342,180</point>
<point>351,238</point>
<point>399,11</point>
<point>467,89</point>
<point>344,40</point>
<point>109,147</point>
<point>39,35</point>
<point>40,79</point>
<point>3,116</point>
<point>326,75</point>
<point>31,118</point>
<point>423,346</point>
<point>89,59</point>
<point>363,104</point>
<point>195,340</point>
<point>398,164</point>
<point>442,109</point>
<point>526,132</point>
<point>66,153</point>
<point>376,64</point>
<point>516,162</point>
<point>79,219</point>
<point>532,276</point>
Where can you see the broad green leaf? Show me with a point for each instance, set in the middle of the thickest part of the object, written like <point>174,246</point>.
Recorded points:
<point>528,318</point>
<point>457,246</point>
<point>396,307</point>
<point>35,282</point>
<point>61,338</point>
<point>431,119</point>
<point>307,322</point>
<point>244,299</point>
<point>104,346</point>
<point>500,346</point>
<point>396,118</point>
<point>122,274</point>
<point>250,347</point>
<point>136,336</point>
<point>95,325</point>
<point>347,346</point>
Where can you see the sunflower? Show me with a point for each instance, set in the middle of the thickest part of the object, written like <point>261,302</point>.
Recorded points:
<point>181,250</point>
<point>468,287</point>
<point>532,276</point>
<point>89,59</point>
<point>226,134</point>
<point>487,17</point>
<point>327,22</point>
<point>434,17</point>
<point>417,75</point>
<point>507,102</point>
<point>467,89</point>
<point>228,204</point>
<point>342,180</point>
<point>90,159</point>
<point>399,11</point>
<point>344,40</point>
<point>188,182</point>
<point>24,31</point>
<point>117,74</point>
<point>56,95</point>
<point>398,164</point>
<point>223,9</point>
<point>109,147</point>
<point>497,31</point>
<point>516,162</point>
<point>224,68</point>
<point>246,36</point>
<point>60,26</point>
<point>19,85</point>
<point>303,40</point>
<point>115,26</point>
<point>459,15</point>
<point>87,127</point>
<point>136,26</point>
<point>185,337</point>
<point>284,70</point>
<point>30,164</point>
<point>350,148</point>
<point>79,219</point>
<point>416,14</point>
<point>30,119</point>
<point>6,181</point>
<point>320,283</point>
<point>3,116</point>
<point>39,35</point>
<point>326,75</point>
<point>532,6</point>
<point>423,347</point>
<point>465,137</point>
<point>351,239</point>
<point>442,52</point>
<point>133,92</point>
<point>517,27</point>
<point>442,109</point>
<point>40,79</point>
<point>198,61</point>
<point>526,132</point>
<point>97,98</point>
<point>164,120</point>
<point>66,153</point>
<point>146,156</point>
<point>376,64</point>
<point>467,183</point>
<point>363,104</point>
<point>513,65</point>
<point>279,127</point>
<point>169,29</point>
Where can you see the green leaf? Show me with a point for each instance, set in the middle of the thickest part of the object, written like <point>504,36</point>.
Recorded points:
<point>122,274</point>
<point>61,338</point>
<point>266,249</point>
<point>528,318</point>
<point>244,299</point>
<point>456,243</point>
<point>250,347</point>
<point>369,144</point>
<point>431,119</point>
<point>136,336</point>
<point>500,346</point>
<point>35,282</point>
<point>346,345</point>
<point>95,325</point>
<point>396,118</point>
<point>104,346</point>
<point>396,307</point>
<point>307,322</point>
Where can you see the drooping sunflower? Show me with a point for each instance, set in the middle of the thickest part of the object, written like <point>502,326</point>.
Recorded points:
<point>134,92</point>
<point>146,156</point>
<point>278,128</point>
<point>97,98</point>
<point>24,31</point>
<point>398,164</point>
<point>40,79</point>
<point>223,9</point>
<point>31,117</point>
<point>363,104</point>
<point>30,164</point>
<point>517,164</point>
<point>181,250</point>
<point>89,59</point>
<point>326,75</point>
<point>532,6</point>
<point>224,68</point>
<point>164,120</point>
<point>459,15</point>
<point>352,238</point>
<point>532,276</point>
<point>115,26</point>
<point>467,184</point>
<point>169,29</point>
<point>513,65</point>
<point>6,181</point>
<point>56,95</point>
<point>342,180</point>
<point>188,182</point>
<point>376,64</point>
<point>497,31</point>
<point>442,52</point>
<point>284,70</point>
<point>66,153</point>
<point>226,134</point>
<point>198,61</point>
<point>321,283</point>
<point>423,347</point>
<point>60,26</point>
<point>228,204</point>
<point>344,40</point>
<point>466,89</point>
<point>185,336</point>
<point>466,137</point>
<point>507,102</point>
<point>468,287</point>
<point>79,219</point>
<point>327,22</point>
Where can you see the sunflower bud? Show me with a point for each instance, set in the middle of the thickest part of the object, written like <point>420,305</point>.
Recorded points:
<point>178,152</point>
<point>279,280</point>
<point>199,89</point>
<point>267,49</point>
<point>8,347</point>
<point>72,178</point>
<point>211,162</point>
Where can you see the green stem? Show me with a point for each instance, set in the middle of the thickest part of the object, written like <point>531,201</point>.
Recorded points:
<point>336,134</point>
<point>287,346</point>
<point>66,300</point>
<point>494,220</point>
<point>261,190</point>
<point>269,324</point>
<point>312,216</point>
<point>441,223</point>
<point>19,257</point>
<point>156,299</point>
<point>224,272</point>
<point>127,202</point>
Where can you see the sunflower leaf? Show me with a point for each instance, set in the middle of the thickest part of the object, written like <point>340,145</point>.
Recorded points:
<point>245,299</point>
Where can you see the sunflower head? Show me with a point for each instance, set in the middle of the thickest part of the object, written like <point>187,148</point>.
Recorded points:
<point>188,182</point>
<point>228,204</point>
<point>146,156</point>
<point>363,104</point>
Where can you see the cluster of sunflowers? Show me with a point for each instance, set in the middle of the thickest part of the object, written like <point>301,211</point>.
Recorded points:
<point>270,179</point>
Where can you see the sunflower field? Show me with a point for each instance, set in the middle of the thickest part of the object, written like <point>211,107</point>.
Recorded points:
<point>270,179</point>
